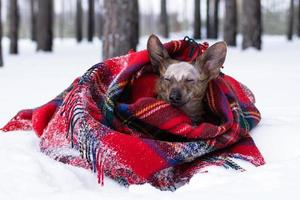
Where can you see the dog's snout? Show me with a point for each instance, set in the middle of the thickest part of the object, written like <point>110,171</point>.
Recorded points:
<point>175,96</point>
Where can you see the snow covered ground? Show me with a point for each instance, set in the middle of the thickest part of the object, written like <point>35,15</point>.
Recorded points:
<point>31,79</point>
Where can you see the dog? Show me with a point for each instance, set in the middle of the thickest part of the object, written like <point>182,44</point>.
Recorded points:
<point>184,84</point>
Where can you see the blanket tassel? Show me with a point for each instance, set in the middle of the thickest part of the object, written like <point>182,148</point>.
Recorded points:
<point>100,167</point>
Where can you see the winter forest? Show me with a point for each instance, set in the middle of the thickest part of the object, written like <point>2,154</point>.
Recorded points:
<point>92,20</point>
<point>49,50</point>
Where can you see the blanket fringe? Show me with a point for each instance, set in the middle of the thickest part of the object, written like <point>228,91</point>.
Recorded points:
<point>100,166</point>
<point>228,163</point>
<point>224,161</point>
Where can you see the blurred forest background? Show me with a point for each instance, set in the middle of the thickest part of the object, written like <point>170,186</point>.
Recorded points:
<point>119,24</point>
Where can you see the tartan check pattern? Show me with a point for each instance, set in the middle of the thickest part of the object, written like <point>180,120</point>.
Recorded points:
<point>93,125</point>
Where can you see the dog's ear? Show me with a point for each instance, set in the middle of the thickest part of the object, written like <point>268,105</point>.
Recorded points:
<point>157,53</point>
<point>210,62</point>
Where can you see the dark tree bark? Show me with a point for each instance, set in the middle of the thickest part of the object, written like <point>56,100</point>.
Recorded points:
<point>197,20</point>
<point>208,34</point>
<point>100,19</point>
<point>298,32</point>
<point>290,30</point>
<point>33,20</point>
<point>251,24</point>
<point>91,20</point>
<point>45,25</point>
<point>79,21</point>
<point>212,23</point>
<point>134,37</point>
<point>216,19</point>
<point>61,20</point>
<point>164,20</point>
<point>230,22</point>
<point>1,57</point>
<point>13,26</point>
<point>100,24</point>
<point>121,27</point>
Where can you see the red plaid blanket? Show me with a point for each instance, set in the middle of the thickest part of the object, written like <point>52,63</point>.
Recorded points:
<point>109,121</point>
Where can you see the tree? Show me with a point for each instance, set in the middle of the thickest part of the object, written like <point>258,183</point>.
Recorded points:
<point>251,24</point>
<point>299,18</point>
<point>1,57</point>
<point>230,22</point>
<point>197,20</point>
<point>134,37</point>
<point>100,19</point>
<point>33,20</point>
<point>45,25</point>
<point>61,20</point>
<point>13,14</point>
<point>212,21</point>
<point>91,20</point>
<point>290,30</point>
<point>78,20</point>
<point>121,27</point>
<point>164,20</point>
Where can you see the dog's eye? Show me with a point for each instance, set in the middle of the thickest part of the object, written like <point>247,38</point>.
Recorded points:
<point>167,79</point>
<point>189,80</point>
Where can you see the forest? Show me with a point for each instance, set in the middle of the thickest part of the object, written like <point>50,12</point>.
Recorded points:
<point>120,23</point>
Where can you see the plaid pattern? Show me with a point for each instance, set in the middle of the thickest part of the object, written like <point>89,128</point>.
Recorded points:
<point>93,125</point>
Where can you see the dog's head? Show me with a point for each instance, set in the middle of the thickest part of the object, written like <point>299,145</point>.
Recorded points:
<point>180,81</point>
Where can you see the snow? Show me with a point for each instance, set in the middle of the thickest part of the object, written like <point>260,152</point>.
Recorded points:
<point>31,79</point>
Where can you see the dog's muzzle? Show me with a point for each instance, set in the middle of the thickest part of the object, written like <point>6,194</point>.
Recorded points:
<point>175,98</point>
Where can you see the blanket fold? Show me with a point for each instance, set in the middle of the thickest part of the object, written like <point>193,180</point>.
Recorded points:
<point>109,121</point>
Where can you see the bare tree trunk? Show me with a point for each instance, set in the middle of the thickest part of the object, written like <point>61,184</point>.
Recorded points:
<point>164,21</point>
<point>33,15</point>
<point>1,57</point>
<point>121,27</point>
<point>79,21</point>
<point>212,25</point>
<point>135,23</point>
<point>298,32</point>
<point>216,19</point>
<point>230,22</point>
<point>100,24</point>
<point>251,24</point>
<point>61,21</point>
<point>13,26</point>
<point>290,30</point>
<point>100,19</point>
<point>197,20</point>
<point>91,20</point>
<point>208,34</point>
<point>45,25</point>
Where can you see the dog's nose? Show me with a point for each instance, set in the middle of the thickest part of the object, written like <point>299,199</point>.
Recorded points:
<point>175,96</point>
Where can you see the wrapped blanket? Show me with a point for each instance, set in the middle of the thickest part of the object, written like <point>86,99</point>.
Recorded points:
<point>109,121</point>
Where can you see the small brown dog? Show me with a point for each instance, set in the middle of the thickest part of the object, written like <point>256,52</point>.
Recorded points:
<point>184,84</point>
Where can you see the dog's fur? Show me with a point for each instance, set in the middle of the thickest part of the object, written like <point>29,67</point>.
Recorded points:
<point>184,84</point>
